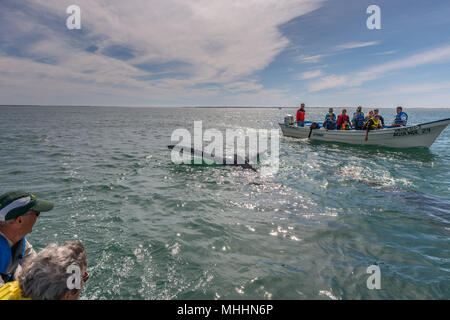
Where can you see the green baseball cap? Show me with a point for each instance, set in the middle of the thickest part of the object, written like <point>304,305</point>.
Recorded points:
<point>16,203</point>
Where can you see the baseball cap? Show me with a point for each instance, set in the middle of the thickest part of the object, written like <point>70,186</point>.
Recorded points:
<point>16,203</point>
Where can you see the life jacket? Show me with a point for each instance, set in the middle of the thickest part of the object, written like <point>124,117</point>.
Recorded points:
<point>341,120</point>
<point>359,119</point>
<point>344,126</point>
<point>10,258</point>
<point>399,118</point>
<point>367,119</point>
<point>372,124</point>
<point>11,291</point>
<point>333,117</point>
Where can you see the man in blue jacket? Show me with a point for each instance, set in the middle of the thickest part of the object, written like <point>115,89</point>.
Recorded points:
<point>330,120</point>
<point>401,119</point>
<point>358,119</point>
<point>19,211</point>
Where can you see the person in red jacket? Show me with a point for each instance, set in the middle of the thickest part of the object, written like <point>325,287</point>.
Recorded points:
<point>343,117</point>
<point>301,116</point>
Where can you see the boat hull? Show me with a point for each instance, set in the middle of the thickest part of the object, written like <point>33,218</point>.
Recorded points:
<point>422,135</point>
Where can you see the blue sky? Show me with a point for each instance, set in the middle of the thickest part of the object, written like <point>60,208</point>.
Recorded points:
<point>225,53</point>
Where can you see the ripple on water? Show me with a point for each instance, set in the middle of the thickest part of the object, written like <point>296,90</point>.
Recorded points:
<point>155,230</point>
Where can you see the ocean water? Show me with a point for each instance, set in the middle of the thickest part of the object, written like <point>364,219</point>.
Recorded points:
<point>156,230</point>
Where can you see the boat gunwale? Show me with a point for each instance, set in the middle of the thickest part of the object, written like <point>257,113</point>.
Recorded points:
<point>359,132</point>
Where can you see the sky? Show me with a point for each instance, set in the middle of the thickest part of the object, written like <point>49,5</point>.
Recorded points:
<point>225,53</point>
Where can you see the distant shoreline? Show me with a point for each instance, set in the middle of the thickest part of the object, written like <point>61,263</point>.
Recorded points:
<point>214,107</point>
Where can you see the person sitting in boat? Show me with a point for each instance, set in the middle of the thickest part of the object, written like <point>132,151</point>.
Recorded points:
<point>330,120</point>
<point>55,273</point>
<point>343,117</point>
<point>358,119</point>
<point>19,211</point>
<point>346,125</point>
<point>369,116</point>
<point>377,112</point>
<point>301,116</point>
<point>401,118</point>
<point>373,123</point>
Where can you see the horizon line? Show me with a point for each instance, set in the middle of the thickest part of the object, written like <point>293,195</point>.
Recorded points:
<point>206,107</point>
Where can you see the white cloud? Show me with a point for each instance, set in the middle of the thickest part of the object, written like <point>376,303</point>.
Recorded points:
<point>384,53</point>
<point>223,42</point>
<point>317,58</point>
<point>419,88</point>
<point>328,82</point>
<point>356,79</point>
<point>354,45</point>
<point>309,75</point>
<point>311,59</point>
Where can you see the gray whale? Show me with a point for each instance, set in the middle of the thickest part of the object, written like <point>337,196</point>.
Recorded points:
<point>237,161</point>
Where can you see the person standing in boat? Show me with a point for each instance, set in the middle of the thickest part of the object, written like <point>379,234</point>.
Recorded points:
<point>358,119</point>
<point>377,112</point>
<point>301,116</point>
<point>330,120</point>
<point>343,117</point>
<point>401,118</point>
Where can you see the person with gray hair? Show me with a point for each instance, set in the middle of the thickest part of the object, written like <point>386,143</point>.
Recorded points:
<point>55,273</point>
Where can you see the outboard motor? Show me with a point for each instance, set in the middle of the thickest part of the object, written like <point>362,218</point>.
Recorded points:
<point>289,120</point>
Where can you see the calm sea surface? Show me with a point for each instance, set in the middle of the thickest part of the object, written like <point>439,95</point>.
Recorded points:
<point>156,230</point>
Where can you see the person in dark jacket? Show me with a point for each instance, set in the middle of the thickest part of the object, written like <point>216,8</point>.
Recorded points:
<point>377,112</point>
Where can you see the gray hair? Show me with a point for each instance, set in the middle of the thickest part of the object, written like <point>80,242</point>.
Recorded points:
<point>44,276</point>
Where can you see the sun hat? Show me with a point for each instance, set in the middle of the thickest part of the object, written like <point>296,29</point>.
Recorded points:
<point>16,203</point>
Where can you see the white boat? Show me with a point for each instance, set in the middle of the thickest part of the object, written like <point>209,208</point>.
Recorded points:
<point>421,135</point>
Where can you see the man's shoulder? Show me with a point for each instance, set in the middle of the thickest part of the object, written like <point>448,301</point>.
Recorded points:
<point>3,239</point>
<point>5,254</point>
